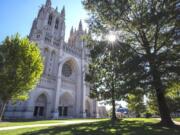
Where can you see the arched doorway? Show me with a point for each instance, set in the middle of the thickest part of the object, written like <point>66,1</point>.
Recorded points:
<point>40,106</point>
<point>66,102</point>
<point>88,109</point>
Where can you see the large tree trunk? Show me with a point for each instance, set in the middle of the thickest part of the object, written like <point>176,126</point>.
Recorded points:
<point>2,108</point>
<point>113,107</point>
<point>113,110</point>
<point>163,108</point>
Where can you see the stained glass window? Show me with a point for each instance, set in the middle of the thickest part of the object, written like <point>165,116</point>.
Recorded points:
<point>67,70</point>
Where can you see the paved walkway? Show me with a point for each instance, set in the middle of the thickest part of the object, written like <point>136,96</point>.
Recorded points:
<point>47,125</point>
<point>176,122</point>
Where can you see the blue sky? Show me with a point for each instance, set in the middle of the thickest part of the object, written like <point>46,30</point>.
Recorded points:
<point>18,15</point>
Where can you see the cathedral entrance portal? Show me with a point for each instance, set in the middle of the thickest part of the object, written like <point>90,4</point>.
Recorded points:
<point>63,111</point>
<point>40,106</point>
<point>66,105</point>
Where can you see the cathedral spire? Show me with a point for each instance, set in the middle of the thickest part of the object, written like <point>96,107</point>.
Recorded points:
<point>80,26</point>
<point>71,33</point>
<point>48,3</point>
<point>63,11</point>
<point>57,9</point>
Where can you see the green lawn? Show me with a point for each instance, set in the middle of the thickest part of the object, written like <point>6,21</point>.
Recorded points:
<point>32,122</point>
<point>20,123</point>
<point>104,127</point>
<point>177,119</point>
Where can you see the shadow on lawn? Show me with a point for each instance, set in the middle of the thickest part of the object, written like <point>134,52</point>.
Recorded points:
<point>106,128</point>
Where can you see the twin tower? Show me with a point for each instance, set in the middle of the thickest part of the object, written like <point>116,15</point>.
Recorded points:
<point>62,90</point>
<point>50,26</point>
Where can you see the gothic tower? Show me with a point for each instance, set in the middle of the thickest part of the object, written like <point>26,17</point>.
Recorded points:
<point>76,36</point>
<point>62,90</point>
<point>48,30</point>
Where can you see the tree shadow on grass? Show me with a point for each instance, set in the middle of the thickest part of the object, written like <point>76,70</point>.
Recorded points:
<point>106,128</point>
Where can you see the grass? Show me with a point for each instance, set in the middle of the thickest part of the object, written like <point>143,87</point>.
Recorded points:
<point>20,123</point>
<point>32,122</point>
<point>177,119</point>
<point>130,126</point>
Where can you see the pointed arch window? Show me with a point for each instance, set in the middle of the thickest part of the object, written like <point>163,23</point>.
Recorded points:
<point>50,19</point>
<point>52,55</point>
<point>57,24</point>
<point>67,70</point>
<point>46,53</point>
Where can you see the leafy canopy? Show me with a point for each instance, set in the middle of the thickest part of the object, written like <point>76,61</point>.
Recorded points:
<point>21,67</point>
<point>148,27</point>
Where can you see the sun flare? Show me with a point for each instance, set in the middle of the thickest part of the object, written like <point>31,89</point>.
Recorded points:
<point>111,37</point>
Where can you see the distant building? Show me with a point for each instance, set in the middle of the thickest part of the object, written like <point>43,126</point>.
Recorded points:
<point>122,112</point>
<point>62,90</point>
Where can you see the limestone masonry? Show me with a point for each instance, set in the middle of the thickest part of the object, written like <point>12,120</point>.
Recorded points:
<point>62,90</point>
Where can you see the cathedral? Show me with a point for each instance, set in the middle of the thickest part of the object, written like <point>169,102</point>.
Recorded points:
<point>62,91</point>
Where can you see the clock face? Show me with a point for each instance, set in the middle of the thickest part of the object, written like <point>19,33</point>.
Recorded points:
<point>67,70</point>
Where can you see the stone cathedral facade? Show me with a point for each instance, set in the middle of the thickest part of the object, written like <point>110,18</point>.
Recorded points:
<point>62,90</point>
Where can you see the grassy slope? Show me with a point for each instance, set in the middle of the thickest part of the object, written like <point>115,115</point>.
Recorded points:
<point>124,127</point>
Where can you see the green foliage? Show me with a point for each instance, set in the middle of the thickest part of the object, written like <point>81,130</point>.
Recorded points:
<point>1,60</point>
<point>104,72</point>
<point>173,90</point>
<point>172,96</point>
<point>152,106</point>
<point>148,28</point>
<point>136,103</point>
<point>21,68</point>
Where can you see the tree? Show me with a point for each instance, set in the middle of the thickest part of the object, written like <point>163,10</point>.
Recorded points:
<point>1,60</point>
<point>21,68</point>
<point>152,106</point>
<point>104,74</point>
<point>148,27</point>
<point>172,96</point>
<point>136,103</point>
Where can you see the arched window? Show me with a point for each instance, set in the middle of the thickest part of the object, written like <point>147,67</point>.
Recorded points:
<point>46,55</point>
<point>45,51</point>
<point>52,54</point>
<point>56,24</point>
<point>67,70</point>
<point>52,58</point>
<point>50,19</point>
